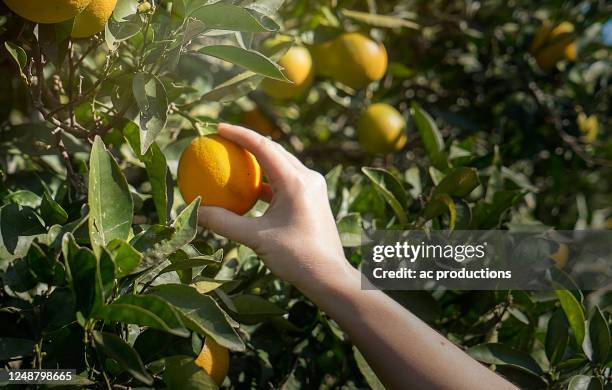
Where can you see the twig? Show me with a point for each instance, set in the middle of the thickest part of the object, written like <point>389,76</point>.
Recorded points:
<point>73,178</point>
<point>71,116</point>
<point>88,51</point>
<point>118,118</point>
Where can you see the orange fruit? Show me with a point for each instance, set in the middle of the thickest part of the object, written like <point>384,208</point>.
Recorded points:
<point>323,58</point>
<point>93,19</point>
<point>354,60</point>
<point>214,359</point>
<point>552,44</point>
<point>258,121</point>
<point>223,173</point>
<point>47,11</point>
<point>561,255</point>
<point>381,129</point>
<point>297,66</point>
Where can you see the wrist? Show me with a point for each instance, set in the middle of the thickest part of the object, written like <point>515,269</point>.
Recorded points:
<point>334,283</point>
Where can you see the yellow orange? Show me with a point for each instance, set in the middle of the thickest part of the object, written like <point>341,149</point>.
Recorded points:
<point>297,66</point>
<point>354,60</point>
<point>552,44</point>
<point>214,359</point>
<point>561,255</point>
<point>47,11</point>
<point>223,173</point>
<point>589,126</point>
<point>323,58</point>
<point>381,129</point>
<point>93,19</point>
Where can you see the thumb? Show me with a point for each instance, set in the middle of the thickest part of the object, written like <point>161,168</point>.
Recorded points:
<point>229,224</point>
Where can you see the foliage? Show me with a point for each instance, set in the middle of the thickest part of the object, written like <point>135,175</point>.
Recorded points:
<point>104,269</point>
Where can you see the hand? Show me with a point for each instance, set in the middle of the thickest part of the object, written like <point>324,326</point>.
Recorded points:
<point>297,237</point>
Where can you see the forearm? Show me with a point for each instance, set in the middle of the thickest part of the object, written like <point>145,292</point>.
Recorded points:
<point>402,350</point>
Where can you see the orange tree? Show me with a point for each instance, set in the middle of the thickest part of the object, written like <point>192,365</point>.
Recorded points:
<point>423,115</point>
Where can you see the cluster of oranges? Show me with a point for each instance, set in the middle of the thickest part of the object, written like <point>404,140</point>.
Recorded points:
<point>90,16</point>
<point>351,59</point>
<point>225,175</point>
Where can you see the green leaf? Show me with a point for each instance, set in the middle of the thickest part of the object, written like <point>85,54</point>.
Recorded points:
<point>333,178</point>
<point>233,18</point>
<point>125,256</point>
<point>23,198</point>
<point>157,170</point>
<point>114,347</point>
<point>375,20</point>
<point>489,215</point>
<point>437,205</point>
<point>19,226</point>
<point>236,87</point>
<point>459,182</point>
<point>248,59</point>
<point>147,310</point>
<point>206,285</point>
<point>391,191</point>
<point>81,266</point>
<point>152,101</point>
<point>597,343</point>
<point>105,278</point>
<point>146,240</point>
<point>110,203</point>
<point>185,228</point>
<point>19,276</point>
<point>12,348</point>
<point>367,372</point>
<point>200,313</point>
<point>19,56</point>
<point>574,313</point>
<point>501,354</point>
<point>585,382</point>
<point>180,265</point>
<point>557,337</point>
<point>46,268</point>
<point>562,280</point>
<point>252,309</point>
<point>431,137</point>
<point>52,213</point>
<point>123,24</point>
<point>182,373</point>
<point>349,227</point>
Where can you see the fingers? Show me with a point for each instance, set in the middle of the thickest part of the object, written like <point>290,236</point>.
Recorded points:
<point>271,159</point>
<point>266,193</point>
<point>229,224</point>
<point>297,164</point>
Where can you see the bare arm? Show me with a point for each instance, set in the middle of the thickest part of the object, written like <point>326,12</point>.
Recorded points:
<point>298,240</point>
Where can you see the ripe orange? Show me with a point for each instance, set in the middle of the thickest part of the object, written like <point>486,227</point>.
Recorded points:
<point>214,359</point>
<point>258,121</point>
<point>93,19</point>
<point>223,173</point>
<point>324,58</point>
<point>354,60</point>
<point>381,129</point>
<point>47,11</point>
<point>552,44</point>
<point>561,255</point>
<point>297,64</point>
